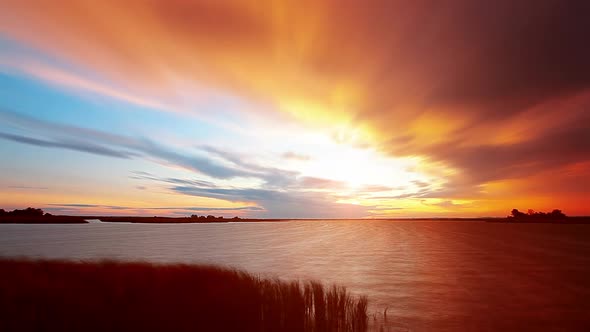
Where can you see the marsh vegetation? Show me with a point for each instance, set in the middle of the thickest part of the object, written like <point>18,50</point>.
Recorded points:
<point>107,296</point>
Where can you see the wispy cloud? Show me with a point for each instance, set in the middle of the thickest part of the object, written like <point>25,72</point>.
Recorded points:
<point>294,202</point>
<point>283,193</point>
<point>319,183</point>
<point>28,187</point>
<point>295,156</point>
<point>182,211</point>
<point>282,204</point>
<point>506,97</point>
<point>76,146</point>
<point>187,208</point>
<point>112,145</point>
<point>76,82</point>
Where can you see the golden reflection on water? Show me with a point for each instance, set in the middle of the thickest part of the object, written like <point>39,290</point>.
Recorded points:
<point>430,275</point>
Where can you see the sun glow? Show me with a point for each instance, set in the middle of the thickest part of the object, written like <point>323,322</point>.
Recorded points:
<point>358,167</point>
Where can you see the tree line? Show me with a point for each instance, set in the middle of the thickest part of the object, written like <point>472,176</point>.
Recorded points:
<point>555,214</point>
<point>210,217</point>
<point>28,212</point>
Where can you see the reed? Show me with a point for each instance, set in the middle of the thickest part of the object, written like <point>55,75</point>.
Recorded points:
<point>104,296</point>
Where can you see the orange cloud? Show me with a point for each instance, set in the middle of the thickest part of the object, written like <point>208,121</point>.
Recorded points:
<point>71,81</point>
<point>497,92</point>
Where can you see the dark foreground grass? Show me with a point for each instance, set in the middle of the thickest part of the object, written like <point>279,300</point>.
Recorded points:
<point>114,296</point>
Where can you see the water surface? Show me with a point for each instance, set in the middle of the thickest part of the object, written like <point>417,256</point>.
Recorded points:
<point>452,275</point>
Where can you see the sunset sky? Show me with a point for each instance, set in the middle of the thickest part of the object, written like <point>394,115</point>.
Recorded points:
<point>295,109</point>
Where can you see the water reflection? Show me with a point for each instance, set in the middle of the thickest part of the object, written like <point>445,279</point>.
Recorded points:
<point>431,275</point>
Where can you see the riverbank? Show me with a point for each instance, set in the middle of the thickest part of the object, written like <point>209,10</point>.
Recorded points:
<point>106,296</point>
<point>189,220</point>
<point>42,220</point>
<point>178,220</point>
<point>532,220</point>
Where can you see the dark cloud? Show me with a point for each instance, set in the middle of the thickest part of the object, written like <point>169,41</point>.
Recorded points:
<point>493,61</point>
<point>190,161</point>
<point>473,52</point>
<point>28,187</point>
<point>231,194</point>
<point>274,177</point>
<point>80,208</point>
<point>454,188</point>
<point>78,205</point>
<point>73,205</point>
<point>514,50</point>
<point>118,207</point>
<point>282,204</point>
<point>111,145</point>
<point>271,202</point>
<point>418,194</point>
<point>76,146</point>
<point>484,163</point>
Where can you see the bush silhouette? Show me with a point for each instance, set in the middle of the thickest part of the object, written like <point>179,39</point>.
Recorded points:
<point>36,216</point>
<point>28,212</point>
<point>532,215</point>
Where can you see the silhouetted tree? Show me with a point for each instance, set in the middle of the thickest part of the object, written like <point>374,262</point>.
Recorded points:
<point>210,217</point>
<point>2,212</point>
<point>557,214</point>
<point>517,214</point>
<point>28,212</point>
<point>532,215</point>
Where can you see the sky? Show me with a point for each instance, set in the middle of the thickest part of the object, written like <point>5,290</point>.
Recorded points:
<point>295,109</point>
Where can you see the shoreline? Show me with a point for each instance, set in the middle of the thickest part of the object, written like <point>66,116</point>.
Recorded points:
<point>563,221</point>
<point>187,220</point>
<point>42,220</point>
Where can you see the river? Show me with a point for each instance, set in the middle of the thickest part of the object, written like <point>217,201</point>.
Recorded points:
<point>430,275</point>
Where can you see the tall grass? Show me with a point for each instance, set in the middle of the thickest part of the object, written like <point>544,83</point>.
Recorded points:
<point>114,296</point>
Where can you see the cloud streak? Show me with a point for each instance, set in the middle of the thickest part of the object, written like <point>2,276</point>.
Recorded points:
<point>112,145</point>
<point>75,146</point>
<point>283,193</point>
<point>493,91</point>
<point>281,204</point>
<point>177,211</point>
